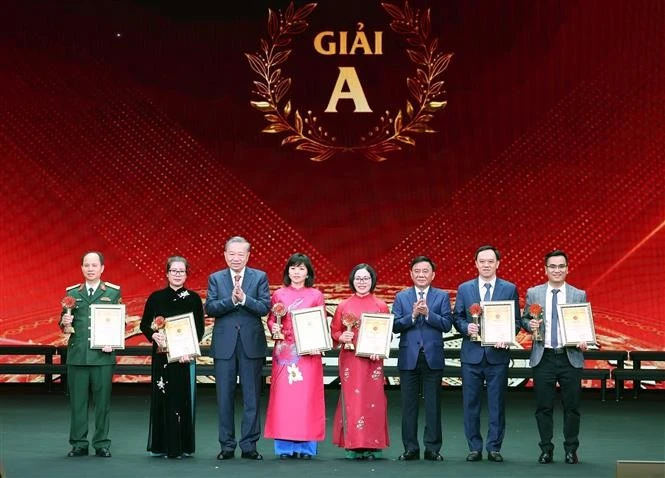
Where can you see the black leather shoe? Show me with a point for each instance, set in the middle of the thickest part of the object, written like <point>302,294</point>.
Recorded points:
<point>432,456</point>
<point>103,452</point>
<point>409,455</point>
<point>494,456</point>
<point>251,455</point>
<point>225,455</point>
<point>474,456</point>
<point>545,457</point>
<point>571,458</point>
<point>78,451</point>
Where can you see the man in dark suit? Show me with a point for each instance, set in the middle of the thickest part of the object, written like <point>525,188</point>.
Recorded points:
<point>552,362</point>
<point>422,315</point>
<point>484,364</point>
<point>237,298</point>
<point>89,369</point>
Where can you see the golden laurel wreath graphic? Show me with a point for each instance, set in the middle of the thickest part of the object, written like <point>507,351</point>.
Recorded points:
<point>308,134</point>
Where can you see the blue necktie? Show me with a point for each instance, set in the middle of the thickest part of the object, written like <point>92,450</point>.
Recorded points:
<point>555,320</point>
<point>487,297</point>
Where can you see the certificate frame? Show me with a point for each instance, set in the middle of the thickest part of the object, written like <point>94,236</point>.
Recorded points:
<point>107,326</point>
<point>375,335</point>
<point>497,323</point>
<point>311,330</point>
<point>181,337</point>
<point>576,322</point>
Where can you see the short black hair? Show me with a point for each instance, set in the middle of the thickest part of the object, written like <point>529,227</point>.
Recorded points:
<point>488,248</point>
<point>296,260</point>
<point>555,253</point>
<point>173,259</point>
<point>369,269</point>
<point>99,254</point>
<point>418,259</point>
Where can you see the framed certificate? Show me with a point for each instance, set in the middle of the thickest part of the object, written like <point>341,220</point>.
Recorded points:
<point>107,326</point>
<point>576,323</point>
<point>375,335</point>
<point>497,324</point>
<point>181,337</point>
<point>311,330</point>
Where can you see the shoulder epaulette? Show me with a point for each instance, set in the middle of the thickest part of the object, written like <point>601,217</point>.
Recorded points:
<point>73,286</point>
<point>112,286</point>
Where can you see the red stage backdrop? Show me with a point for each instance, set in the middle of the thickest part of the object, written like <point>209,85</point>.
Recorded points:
<point>127,127</point>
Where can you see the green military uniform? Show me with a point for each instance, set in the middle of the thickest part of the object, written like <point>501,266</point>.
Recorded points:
<point>89,369</point>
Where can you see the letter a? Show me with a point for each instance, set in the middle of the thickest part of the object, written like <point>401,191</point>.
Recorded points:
<point>348,76</point>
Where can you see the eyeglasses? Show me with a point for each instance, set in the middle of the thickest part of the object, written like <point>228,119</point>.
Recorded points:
<point>177,272</point>
<point>554,267</point>
<point>363,279</point>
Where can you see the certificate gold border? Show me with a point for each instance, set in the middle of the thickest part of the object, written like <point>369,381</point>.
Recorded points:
<point>303,321</point>
<point>172,326</point>
<point>367,320</point>
<point>575,312</point>
<point>117,315</point>
<point>507,321</point>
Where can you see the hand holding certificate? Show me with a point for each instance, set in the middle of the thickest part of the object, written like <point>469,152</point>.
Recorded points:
<point>375,335</point>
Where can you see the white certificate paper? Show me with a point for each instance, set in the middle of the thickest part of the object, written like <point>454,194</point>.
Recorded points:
<point>375,335</point>
<point>311,330</point>
<point>107,326</point>
<point>181,337</point>
<point>497,324</point>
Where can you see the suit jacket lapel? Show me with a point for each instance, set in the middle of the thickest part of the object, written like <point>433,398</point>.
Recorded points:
<point>498,290</point>
<point>248,280</point>
<point>475,293</point>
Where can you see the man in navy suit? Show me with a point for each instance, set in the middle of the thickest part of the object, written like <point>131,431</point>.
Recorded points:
<point>422,314</point>
<point>238,297</point>
<point>480,364</point>
<point>553,362</point>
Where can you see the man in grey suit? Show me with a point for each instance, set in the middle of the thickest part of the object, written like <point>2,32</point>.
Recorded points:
<point>238,297</point>
<point>552,362</point>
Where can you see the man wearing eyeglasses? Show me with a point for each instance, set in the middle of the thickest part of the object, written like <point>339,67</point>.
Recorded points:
<point>238,297</point>
<point>484,365</point>
<point>422,314</point>
<point>552,362</point>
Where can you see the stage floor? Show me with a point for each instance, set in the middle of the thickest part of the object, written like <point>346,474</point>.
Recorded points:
<point>34,429</point>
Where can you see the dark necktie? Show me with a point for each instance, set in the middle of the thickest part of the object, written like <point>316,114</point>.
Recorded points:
<point>91,291</point>
<point>555,320</point>
<point>487,297</point>
<point>421,296</point>
<point>237,279</point>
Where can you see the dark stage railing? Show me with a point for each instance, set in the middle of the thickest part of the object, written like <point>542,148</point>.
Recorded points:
<point>614,361</point>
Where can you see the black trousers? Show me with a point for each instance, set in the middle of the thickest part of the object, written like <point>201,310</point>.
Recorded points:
<point>410,388</point>
<point>554,367</point>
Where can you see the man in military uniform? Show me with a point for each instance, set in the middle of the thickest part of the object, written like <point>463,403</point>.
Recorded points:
<point>87,368</point>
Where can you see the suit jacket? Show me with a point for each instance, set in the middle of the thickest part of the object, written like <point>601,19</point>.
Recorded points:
<point>233,321</point>
<point>536,295</point>
<point>78,345</point>
<point>425,334</point>
<point>468,294</point>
